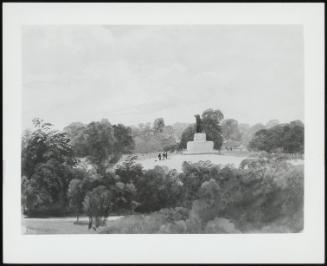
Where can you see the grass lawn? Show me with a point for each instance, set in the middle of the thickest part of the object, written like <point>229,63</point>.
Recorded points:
<point>62,225</point>
<point>175,161</point>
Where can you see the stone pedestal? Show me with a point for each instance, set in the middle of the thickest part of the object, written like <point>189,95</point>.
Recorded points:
<point>199,145</point>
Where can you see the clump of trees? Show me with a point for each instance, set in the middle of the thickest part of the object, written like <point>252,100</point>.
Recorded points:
<point>210,119</point>
<point>264,194</point>
<point>47,167</point>
<point>287,138</point>
<point>53,183</point>
<point>100,142</point>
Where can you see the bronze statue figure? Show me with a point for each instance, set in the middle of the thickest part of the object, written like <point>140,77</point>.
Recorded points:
<point>198,124</point>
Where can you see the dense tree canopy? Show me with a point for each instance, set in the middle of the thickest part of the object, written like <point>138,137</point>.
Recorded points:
<point>288,138</point>
<point>47,168</point>
<point>101,142</point>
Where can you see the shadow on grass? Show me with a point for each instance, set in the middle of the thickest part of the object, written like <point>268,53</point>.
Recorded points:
<point>81,223</point>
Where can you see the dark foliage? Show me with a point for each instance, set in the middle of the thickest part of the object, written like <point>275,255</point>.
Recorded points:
<point>288,138</point>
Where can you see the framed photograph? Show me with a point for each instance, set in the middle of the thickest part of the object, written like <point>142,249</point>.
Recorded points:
<point>163,133</point>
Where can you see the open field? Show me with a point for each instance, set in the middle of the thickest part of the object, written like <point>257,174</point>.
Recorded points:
<point>175,161</point>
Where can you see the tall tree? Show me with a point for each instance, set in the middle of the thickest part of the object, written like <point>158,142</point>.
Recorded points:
<point>76,196</point>
<point>211,124</point>
<point>47,168</point>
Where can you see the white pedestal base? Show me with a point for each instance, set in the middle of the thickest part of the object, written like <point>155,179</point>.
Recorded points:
<point>200,145</point>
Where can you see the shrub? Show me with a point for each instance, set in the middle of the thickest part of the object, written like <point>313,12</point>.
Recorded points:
<point>158,188</point>
<point>262,195</point>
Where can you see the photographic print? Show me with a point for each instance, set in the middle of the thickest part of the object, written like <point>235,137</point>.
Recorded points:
<point>162,129</point>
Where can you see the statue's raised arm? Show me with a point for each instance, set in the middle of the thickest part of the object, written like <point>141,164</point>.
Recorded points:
<point>198,124</point>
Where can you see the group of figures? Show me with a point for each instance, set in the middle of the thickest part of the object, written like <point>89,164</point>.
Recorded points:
<point>162,156</point>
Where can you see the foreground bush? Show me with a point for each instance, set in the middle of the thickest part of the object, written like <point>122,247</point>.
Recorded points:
<point>262,195</point>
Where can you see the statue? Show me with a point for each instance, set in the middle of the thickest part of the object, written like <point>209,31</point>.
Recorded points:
<point>198,128</point>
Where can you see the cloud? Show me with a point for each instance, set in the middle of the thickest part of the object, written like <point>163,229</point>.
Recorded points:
<point>133,74</point>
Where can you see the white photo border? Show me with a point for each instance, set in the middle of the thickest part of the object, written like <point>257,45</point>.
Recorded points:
<point>304,247</point>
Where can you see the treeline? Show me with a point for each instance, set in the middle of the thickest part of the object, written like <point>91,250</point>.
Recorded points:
<point>265,193</point>
<point>225,133</point>
<point>55,181</point>
<point>156,137</point>
<point>286,138</point>
<point>147,138</point>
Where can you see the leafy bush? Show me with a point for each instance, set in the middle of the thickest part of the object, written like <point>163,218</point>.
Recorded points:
<point>262,195</point>
<point>158,188</point>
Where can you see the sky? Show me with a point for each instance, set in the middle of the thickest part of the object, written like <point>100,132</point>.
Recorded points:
<point>135,74</point>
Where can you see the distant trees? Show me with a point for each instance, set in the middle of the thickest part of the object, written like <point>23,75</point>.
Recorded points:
<point>272,123</point>
<point>230,130</point>
<point>158,125</point>
<point>159,137</point>
<point>211,124</point>
<point>178,129</point>
<point>288,138</point>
